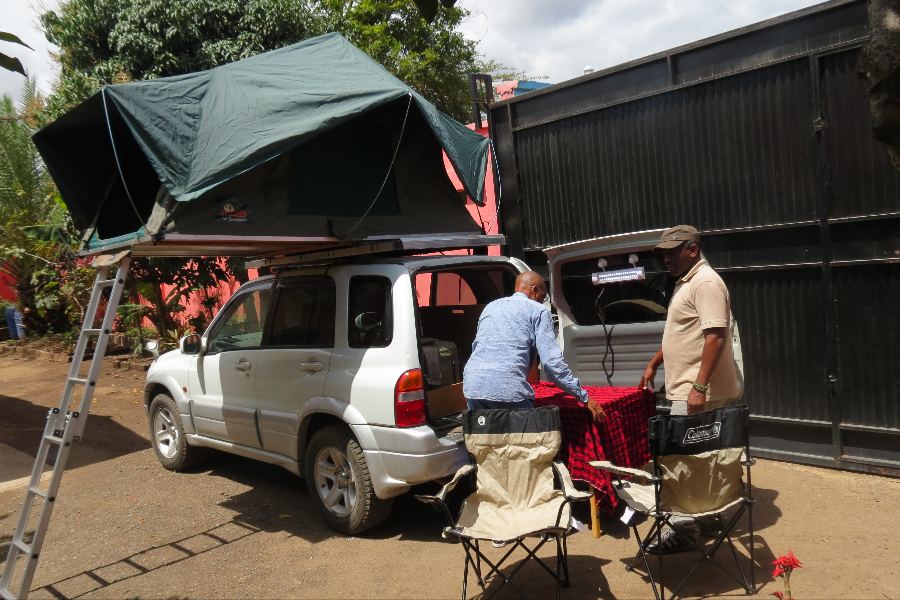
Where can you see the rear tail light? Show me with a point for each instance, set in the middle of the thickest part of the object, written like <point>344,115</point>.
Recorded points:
<point>409,400</point>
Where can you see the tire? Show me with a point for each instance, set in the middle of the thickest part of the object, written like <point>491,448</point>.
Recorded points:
<point>167,436</point>
<point>337,477</point>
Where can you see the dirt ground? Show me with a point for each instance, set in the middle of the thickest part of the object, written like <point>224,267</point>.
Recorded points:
<point>124,527</point>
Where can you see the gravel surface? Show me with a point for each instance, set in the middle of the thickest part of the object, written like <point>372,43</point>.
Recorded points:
<point>123,527</point>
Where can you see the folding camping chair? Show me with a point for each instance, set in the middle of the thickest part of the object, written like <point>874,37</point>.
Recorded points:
<point>724,430</point>
<point>515,496</point>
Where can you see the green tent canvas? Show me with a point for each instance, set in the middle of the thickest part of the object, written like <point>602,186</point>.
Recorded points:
<point>310,144</point>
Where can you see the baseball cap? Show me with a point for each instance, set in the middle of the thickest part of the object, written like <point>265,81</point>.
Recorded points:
<point>674,237</point>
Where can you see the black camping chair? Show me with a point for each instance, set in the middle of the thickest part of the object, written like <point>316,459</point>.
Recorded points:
<point>717,430</point>
<point>515,498</point>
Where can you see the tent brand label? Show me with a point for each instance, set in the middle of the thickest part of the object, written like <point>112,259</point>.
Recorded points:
<point>234,213</point>
<point>705,433</point>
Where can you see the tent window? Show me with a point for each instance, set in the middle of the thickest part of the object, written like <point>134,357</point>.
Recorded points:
<point>338,174</point>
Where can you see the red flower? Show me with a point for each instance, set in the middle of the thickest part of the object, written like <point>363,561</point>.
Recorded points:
<point>779,595</point>
<point>778,572</point>
<point>788,562</point>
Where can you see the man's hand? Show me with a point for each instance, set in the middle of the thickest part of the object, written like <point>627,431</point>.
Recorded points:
<point>596,410</point>
<point>696,402</point>
<point>648,377</point>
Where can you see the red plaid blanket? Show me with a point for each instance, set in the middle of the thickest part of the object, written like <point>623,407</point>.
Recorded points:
<point>621,438</point>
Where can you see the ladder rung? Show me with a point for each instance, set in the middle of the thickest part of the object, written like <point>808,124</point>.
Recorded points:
<point>7,595</point>
<point>53,439</point>
<point>106,283</point>
<point>22,546</point>
<point>90,331</point>
<point>78,380</point>
<point>38,492</point>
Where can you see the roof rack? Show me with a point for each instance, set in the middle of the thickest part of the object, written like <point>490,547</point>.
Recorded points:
<point>399,246</point>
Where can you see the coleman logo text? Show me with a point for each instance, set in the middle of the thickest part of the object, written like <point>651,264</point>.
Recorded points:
<point>702,434</point>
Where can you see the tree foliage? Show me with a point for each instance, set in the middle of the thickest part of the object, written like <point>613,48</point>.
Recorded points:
<point>29,199</point>
<point>432,58</point>
<point>11,63</point>
<point>112,41</point>
<point>167,309</point>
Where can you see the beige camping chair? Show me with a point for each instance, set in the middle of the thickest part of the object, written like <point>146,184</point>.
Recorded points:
<point>713,487</point>
<point>515,496</point>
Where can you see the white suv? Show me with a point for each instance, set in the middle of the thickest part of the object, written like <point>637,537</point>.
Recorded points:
<point>346,374</point>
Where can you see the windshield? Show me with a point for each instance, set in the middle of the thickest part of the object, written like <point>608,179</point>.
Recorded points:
<point>624,302</point>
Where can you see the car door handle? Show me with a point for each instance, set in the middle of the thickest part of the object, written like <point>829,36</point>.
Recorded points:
<point>242,365</point>
<point>312,366</point>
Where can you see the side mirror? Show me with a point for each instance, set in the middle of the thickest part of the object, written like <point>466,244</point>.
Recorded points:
<point>153,348</point>
<point>190,344</point>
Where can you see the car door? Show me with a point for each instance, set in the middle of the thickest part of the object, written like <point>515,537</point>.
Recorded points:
<point>610,332</point>
<point>223,381</point>
<point>293,364</point>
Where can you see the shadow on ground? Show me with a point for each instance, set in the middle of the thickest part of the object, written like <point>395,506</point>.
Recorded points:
<point>147,560</point>
<point>708,579</point>
<point>104,438</point>
<point>274,492</point>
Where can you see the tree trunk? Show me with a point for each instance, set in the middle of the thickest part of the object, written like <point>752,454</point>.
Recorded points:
<point>879,64</point>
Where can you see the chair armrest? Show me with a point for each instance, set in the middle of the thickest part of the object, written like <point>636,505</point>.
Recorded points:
<point>569,490</point>
<point>605,465</point>
<point>442,495</point>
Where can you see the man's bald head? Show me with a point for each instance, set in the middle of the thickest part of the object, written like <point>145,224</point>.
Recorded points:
<point>532,285</point>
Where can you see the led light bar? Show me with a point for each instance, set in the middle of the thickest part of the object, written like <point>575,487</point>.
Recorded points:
<point>604,277</point>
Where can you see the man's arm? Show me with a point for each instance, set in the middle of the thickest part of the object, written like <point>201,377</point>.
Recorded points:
<point>650,372</point>
<point>552,359</point>
<point>713,340</point>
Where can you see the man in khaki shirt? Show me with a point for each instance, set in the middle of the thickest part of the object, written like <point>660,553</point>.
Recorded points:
<point>700,376</point>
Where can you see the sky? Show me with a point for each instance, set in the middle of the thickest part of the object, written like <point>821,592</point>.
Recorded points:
<point>556,38</point>
<point>19,17</point>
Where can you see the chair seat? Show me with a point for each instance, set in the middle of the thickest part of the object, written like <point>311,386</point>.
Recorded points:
<point>482,519</point>
<point>641,498</point>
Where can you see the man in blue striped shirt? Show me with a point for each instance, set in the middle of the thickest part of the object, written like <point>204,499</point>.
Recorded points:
<point>511,332</point>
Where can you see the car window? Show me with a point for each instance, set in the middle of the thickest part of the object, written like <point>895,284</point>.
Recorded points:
<point>304,316</point>
<point>468,286</point>
<point>423,289</point>
<point>242,322</point>
<point>452,290</point>
<point>624,302</point>
<point>369,312</point>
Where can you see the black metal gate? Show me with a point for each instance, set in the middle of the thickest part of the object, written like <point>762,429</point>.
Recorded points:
<point>762,139</point>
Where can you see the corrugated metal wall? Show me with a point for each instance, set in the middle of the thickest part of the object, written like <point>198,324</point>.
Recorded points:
<point>727,154</point>
<point>782,337</point>
<point>866,305</point>
<point>762,139</point>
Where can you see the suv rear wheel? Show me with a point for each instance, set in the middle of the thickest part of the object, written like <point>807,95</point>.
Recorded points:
<point>167,436</point>
<point>339,484</point>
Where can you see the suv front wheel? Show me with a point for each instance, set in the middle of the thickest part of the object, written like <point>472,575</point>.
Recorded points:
<point>339,484</point>
<point>167,435</point>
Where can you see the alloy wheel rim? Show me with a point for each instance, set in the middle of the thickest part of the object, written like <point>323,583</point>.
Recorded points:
<point>165,433</point>
<point>335,481</point>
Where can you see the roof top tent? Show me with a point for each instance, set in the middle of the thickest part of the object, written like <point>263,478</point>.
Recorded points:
<point>307,147</point>
<point>760,137</point>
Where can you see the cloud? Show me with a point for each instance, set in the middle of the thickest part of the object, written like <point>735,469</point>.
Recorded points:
<point>560,38</point>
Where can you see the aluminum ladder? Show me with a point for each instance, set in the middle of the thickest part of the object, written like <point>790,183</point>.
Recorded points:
<point>65,425</point>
